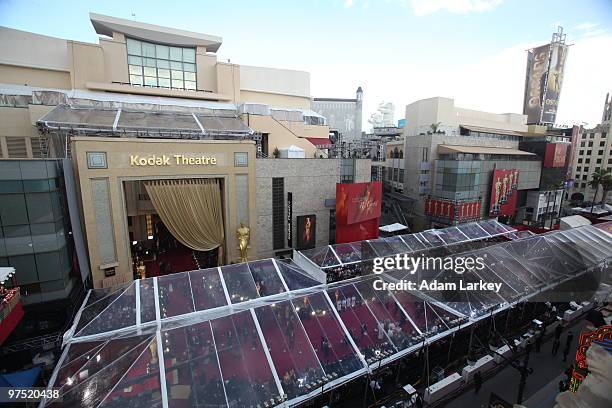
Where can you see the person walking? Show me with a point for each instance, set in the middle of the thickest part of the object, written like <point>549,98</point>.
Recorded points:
<point>568,339</point>
<point>566,351</point>
<point>538,343</point>
<point>558,331</point>
<point>477,382</point>
<point>555,347</point>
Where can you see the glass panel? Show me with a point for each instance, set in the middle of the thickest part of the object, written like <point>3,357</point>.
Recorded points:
<point>473,230</point>
<point>177,75</point>
<point>398,246</point>
<point>164,82</point>
<point>415,308</point>
<point>207,289</point>
<point>132,60</point>
<point>162,51</point>
<point>148,50</point>
<point>511,264</point>
<point>332,346</point>
<point>189,76</point>
<point>433,237</point>
<point>493,227</point>
<point>361,324</point>
<point>163,73</point>
<point>177,84</point>
<point>413,242</point>
<point>390,318</point>
<point>176,53</point>
<point>176,66</point>
<point>348,253</point>
<point>163,64</point>
<point>192,368</point>
<point>189,55</point>
<point>119,313</point>
<point>151,72</point>
<point>135,80</point>
<point>294,276</point>
<point>150,81</point>
<point>150,62</point>
<point>147,300</point>
<point>174,295</point>
<point>293,355</point>
<point>190,85</point>
<point>266,279</point>
<point>190,68</point>
<point>381,247</point>
<point>239,282</point>
<point>140,385</point>
<point>134,47</point>
<point>245,369</point>
<point>452,235</point>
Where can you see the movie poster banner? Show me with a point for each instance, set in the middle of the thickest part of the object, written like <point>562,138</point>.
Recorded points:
<point>504,192</point>
<point>554,82</point>
<point>306,231</point>
<point>356,202</point>
<point>451,210</point>
<point>545,67</point>
<point>555,154</point>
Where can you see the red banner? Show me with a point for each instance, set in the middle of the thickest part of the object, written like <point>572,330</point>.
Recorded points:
<point>555,154</point>
<point>358,202</point>
<point>358,209</point>
<point>453,211</point>
<point>504,192</point>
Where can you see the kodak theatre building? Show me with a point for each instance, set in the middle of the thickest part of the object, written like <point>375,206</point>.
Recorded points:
<point>143,126</point>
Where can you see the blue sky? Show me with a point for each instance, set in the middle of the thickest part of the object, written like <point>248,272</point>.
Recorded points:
<point>398,50</point>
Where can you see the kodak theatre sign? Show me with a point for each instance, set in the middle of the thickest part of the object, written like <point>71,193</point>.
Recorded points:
<point>168,160</point>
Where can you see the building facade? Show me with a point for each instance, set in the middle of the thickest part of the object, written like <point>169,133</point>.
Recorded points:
<point>145,104</point>
<point>343,115</point>
<point>594,153</point>
<point>451,154</point>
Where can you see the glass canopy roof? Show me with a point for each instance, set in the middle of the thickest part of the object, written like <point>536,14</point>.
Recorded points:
<point>264,332</point>
<point>332,256</point>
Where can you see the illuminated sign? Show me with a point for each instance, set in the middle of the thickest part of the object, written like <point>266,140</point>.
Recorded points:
<point>175,159</point>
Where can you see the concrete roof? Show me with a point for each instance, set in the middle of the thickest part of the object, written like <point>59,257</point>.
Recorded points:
<point>106,25</point>
<point>442,149</point>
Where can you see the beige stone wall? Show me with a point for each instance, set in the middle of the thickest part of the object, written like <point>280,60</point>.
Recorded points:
<point>11,74</point>
<point>87,64</point>
<point>115,59</point>
<point>206,65</point>
<point>119,169</point>
<point>311,181</point>
<point>275,100</point>
<point>228,80</point>
<point>15,124</point>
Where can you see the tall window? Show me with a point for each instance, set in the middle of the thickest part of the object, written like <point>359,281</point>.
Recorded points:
<point>161,65</point>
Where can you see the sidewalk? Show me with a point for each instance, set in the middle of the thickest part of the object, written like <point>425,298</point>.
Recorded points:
<point>542,386</point>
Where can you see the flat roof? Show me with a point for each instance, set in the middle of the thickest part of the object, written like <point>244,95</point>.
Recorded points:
<point>442,149</point>
<point>106,25</point>
<point>491,130</point>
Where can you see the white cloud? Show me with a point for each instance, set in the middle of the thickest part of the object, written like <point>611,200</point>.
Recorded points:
<point>348,3</point>
<point>586,26</point>
<point>493,83</point>
<point>425,7</point>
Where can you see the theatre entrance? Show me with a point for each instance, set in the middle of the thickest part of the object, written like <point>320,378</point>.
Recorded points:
<point>175,225</point>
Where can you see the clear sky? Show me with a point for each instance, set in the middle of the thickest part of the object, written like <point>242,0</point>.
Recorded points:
<point>397,50</point>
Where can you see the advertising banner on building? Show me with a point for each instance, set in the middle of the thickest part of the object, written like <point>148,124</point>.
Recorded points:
<point>289,220</point>
<point>358,210</point>
<point>306,231</point>
<point>555,154</point>
<point>356,202</point>
<point>554,82</point>
<point>545,66</point>
<point>451,210</point>
<point>504,192</point>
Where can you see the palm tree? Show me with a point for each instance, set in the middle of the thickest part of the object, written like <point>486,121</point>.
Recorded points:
<point>434,127</point>
<point>601,177</point>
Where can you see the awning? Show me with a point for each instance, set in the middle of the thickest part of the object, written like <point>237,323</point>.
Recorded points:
<point>449,149</point>
<point>145,123</point>
<point>320,142</point>
<point>393,227</point>
<point>491,130</point>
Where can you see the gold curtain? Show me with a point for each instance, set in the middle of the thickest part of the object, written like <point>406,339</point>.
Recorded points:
<point>191,210</point>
